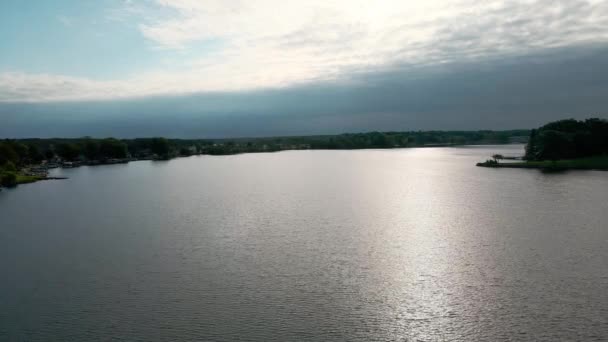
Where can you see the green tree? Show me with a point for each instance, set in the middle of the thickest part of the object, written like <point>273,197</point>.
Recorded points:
<point>34,154</point>
<point>8,179</point>
<point>112,148</point>
<point>567,139</point>
<point>49,154</point>
<point>21,150</point>
<point>184,151</point>
<point>554,145</point>
<point>532,146</point>
<point>9,166</point>
<point>160,146</point>
<point>91,149</point>
<point>7,153</point>
<point>69,152</point>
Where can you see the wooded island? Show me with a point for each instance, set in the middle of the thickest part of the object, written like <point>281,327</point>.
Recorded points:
<point>564,144</point>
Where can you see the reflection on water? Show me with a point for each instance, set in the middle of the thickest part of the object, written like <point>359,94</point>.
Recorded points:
<point>307,245</point>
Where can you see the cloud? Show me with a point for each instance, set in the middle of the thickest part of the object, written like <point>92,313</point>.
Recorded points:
<point>346,32</point>
<point>499,93</point>
<point>269,44</point>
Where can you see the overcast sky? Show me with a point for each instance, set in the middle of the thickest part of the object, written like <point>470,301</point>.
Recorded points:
<point>217,68</point>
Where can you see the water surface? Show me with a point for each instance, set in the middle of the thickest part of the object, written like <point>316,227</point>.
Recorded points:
<point>369,245</point>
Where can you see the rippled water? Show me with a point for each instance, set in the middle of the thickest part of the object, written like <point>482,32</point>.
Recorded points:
<point>373,245</point>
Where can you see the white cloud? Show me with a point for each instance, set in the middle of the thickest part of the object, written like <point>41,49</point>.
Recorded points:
<point>274,43</point>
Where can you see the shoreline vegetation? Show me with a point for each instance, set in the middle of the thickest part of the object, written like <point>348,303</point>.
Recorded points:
<point>28,160</point>
<point>562,145</point>
<point>593,163</point>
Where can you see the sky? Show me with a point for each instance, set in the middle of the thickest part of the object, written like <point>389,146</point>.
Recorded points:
<point>221,68</point>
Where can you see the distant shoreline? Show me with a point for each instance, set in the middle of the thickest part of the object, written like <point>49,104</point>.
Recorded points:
<point>39,172</point>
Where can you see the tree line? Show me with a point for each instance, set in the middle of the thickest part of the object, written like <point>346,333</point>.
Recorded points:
<point>16,154</point>
<point>568,139</point>
<point>370,140</point>
<point>32,151</point>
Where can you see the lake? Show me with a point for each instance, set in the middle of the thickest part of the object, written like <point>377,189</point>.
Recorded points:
<point>367,245</point>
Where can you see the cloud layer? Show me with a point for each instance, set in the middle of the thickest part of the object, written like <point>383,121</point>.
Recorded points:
<point>503,93</point>
<point>272,44</point>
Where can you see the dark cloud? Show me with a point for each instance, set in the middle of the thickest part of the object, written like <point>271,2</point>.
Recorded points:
<point>500,93</point>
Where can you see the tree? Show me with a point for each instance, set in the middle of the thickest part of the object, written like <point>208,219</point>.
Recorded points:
<point>112,148</point>
<point>21,150</point>
<point>91,149</point>
<point>554,145</point>
<point>532,146</point>
<point>49,154</point>
<point>9,166</point>
<point>34,154</point>
<point>184,151</point>
<point>8,179</point>
<point>160,146</point>
<point>7,153</point>
<point>379,140</point>
<point>68,152</point>
<point>567,139</point>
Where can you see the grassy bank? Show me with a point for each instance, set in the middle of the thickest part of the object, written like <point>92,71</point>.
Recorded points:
<point>591,163</point>
<point>12,178</point>
<point>23,179</point>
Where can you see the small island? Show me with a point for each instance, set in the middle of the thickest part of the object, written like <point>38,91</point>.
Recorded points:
<point>562,145</point>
